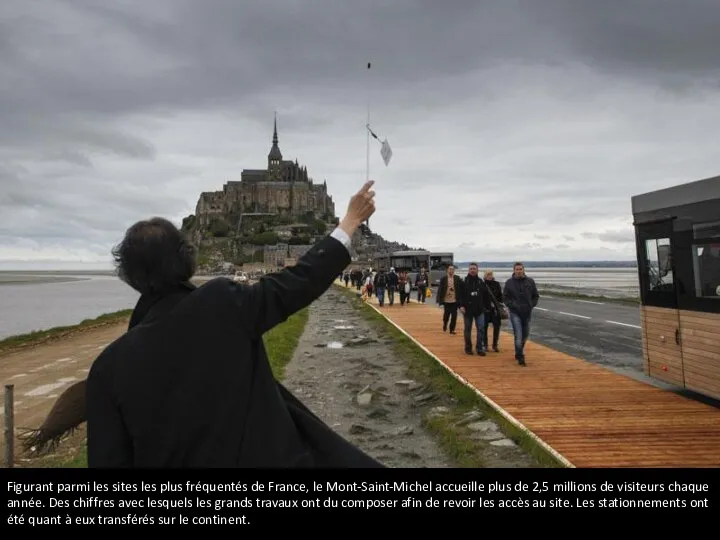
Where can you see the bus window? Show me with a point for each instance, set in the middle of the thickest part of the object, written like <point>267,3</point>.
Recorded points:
<point>706,259</point>
<point>659,264</point>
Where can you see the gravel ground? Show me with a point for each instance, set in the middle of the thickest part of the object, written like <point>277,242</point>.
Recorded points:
<point>349,375</point>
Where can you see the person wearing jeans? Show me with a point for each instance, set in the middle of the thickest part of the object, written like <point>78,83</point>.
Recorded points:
<point>392,283</point>
<point>379,284</point>
<point>521,330</point>
<point>520,295</point>
<point>472,306</point>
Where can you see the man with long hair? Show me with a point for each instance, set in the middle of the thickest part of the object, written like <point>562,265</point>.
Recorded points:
<point>189,383</point>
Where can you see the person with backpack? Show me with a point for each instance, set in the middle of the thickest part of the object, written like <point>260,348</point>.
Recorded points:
<point>380,284</point>
<point>392,283</point>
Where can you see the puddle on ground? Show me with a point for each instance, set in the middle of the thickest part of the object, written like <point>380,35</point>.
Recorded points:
<point>334,345</point>
<point>343,327</point>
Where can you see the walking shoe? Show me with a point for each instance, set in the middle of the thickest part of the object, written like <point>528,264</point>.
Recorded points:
<point>495,348</point>
<point>481,352</point>
<point>468,351</point>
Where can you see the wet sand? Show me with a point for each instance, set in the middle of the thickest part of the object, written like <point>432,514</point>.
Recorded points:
<point>27,279</point>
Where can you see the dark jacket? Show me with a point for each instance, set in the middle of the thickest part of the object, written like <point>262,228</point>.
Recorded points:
<point>495,291</point>
<point>380,281</point>
<point>190,385</point>
<point>520,295</point>
<point>392,280</point>
<point>442,289</point>
<point>474,295</point>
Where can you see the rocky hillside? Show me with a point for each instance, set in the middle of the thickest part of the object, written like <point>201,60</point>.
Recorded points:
<point>223,249</point>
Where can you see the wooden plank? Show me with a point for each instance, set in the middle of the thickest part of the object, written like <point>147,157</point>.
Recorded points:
<point>590,415</point>
<point>708,317</point>
<point>700,338</point>
<point>663,354</point>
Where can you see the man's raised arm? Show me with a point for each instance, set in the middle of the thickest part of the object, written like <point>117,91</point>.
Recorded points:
<point>276,296</point>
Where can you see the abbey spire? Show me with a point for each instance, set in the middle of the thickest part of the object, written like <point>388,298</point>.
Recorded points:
<point>275,156</point>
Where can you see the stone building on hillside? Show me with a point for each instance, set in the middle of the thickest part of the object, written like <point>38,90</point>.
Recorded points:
<point>284,188</point>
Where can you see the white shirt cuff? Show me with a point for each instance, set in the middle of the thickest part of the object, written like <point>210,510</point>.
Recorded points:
<point>342,236</point>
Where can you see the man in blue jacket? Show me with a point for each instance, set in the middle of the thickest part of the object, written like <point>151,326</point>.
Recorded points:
<point>520,296</point>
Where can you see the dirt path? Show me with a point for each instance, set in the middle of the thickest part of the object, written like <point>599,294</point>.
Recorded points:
<point>42,372</point>
<point>361,389</point>
<point>348,374</point>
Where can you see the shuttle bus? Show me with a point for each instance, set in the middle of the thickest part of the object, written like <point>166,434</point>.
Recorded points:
<point>677,234</point>
<point>412,261</point>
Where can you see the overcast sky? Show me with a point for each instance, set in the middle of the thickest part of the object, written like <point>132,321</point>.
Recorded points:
<point>520,129</point>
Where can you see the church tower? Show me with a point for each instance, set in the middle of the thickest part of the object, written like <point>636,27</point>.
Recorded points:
<point>275,156</point>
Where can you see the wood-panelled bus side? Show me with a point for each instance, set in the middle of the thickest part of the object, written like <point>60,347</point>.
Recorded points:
<point>659,313</point>
<point>699,302</point>
<point>680,303</point>
<point>700,337</point>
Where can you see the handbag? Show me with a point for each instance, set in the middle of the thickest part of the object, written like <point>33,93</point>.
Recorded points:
<point>502,309</point>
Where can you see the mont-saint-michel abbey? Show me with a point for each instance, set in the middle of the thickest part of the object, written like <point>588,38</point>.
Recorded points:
<point>284,188</point>
<point>269,218</point>
<point>265,220</point>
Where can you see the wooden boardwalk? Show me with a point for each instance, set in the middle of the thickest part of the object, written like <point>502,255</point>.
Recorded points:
<point>589,415</point>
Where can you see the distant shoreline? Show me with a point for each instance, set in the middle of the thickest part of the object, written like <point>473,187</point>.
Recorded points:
<point>39,337</point>
<point>26,279</point>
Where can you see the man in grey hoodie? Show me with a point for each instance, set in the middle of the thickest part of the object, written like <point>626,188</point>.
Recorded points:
<point>520,295</point>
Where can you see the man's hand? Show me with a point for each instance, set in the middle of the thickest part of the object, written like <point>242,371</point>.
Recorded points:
<point>360,208</point>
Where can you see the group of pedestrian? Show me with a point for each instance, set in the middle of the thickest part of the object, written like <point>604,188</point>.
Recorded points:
<point>482,302</point>
<point>382,282</point>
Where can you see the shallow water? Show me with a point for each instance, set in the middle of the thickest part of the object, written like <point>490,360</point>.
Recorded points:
<point>40,303</point>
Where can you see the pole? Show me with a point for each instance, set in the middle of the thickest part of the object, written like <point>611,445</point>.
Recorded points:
<point>367,134</point>
<point>9,426</point>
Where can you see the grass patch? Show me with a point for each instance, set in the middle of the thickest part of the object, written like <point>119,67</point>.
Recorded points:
<point>61,332</point>
<point>455,439</point>
<point>280,343</point>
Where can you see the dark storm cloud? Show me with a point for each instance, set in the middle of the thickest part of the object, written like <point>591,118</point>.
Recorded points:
<point>660,39</point>
<point>112,59</point>
<point>539,114</point>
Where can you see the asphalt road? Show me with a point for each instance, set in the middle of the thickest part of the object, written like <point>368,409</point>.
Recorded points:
<point>605,333</point>
<point>600,332</point>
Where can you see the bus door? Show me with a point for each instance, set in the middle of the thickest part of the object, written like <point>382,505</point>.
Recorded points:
<point>660,315</point>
